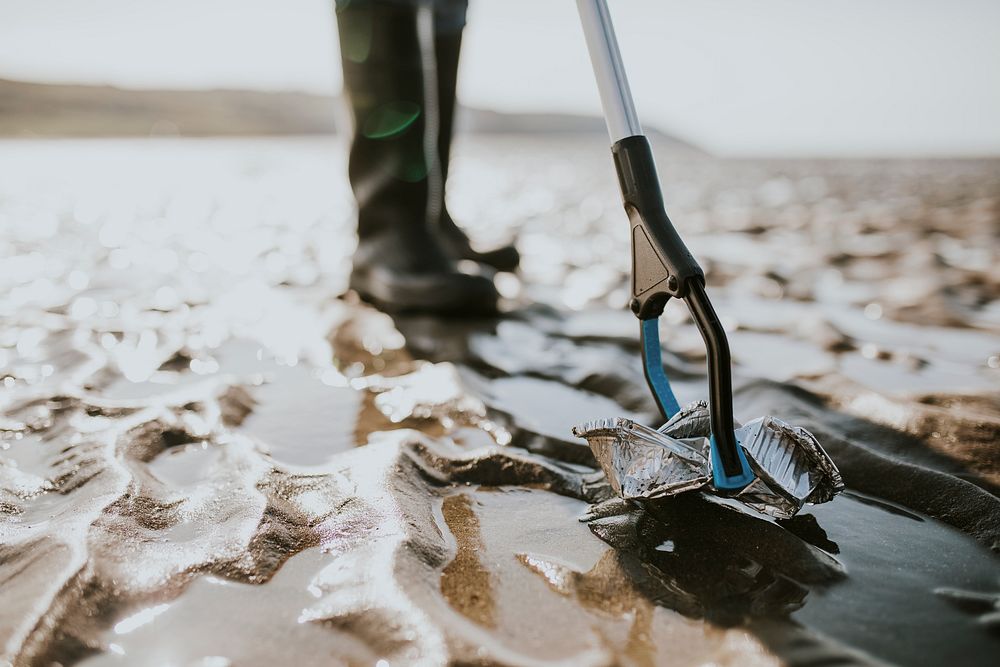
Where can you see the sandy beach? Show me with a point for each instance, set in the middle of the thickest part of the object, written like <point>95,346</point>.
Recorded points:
<point>209,455</point>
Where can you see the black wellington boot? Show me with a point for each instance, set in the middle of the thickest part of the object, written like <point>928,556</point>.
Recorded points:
<point>447,48</point>
<point>401,263</point>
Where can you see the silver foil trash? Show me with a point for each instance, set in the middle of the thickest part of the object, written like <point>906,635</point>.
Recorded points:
<point>692,420</point>
<point>642,463</point>
<point>791,467</point>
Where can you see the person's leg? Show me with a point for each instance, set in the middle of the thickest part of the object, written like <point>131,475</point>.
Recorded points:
<point>395,173</point>
<point>447,48</point>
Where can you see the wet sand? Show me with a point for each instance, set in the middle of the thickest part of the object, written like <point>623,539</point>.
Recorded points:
<point>209,458</point>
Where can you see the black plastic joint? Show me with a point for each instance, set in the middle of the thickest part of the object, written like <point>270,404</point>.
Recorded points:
<point>662,266</point>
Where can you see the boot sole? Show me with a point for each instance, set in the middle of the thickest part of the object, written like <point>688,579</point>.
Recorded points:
<point>506,258</point>
<point>470,297</point>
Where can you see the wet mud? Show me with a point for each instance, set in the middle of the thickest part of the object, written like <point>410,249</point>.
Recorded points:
<point>210,457</point>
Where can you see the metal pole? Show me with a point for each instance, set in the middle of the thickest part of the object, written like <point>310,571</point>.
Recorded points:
<point>616,98</point>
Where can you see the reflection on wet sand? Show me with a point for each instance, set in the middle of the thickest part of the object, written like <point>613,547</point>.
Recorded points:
<point>710,561</point>
<point>608,589</point>
<point>208,458</point>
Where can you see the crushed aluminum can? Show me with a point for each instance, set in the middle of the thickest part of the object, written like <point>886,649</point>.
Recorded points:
<point>791,467</point>
<point>640,462</point>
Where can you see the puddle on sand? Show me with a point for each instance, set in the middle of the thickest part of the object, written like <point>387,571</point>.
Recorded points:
<point>887,604</point>
<point>301,420</point>
<point>544,413</point>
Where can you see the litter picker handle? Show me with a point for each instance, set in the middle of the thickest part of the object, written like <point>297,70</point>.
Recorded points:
<point>662,266</point>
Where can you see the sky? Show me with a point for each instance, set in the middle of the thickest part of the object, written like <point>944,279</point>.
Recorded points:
<point>738,77</point>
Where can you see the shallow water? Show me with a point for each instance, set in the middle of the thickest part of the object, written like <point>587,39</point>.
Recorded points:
<point>209,458</point>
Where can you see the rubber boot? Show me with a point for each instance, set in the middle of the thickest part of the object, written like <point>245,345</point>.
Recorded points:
<point>401,263</point>
<point>447,48</point>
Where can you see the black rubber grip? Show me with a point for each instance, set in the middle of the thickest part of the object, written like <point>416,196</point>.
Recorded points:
<point>662,266</point>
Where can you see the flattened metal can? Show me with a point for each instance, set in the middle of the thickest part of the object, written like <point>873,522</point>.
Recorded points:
<point>641,462</point>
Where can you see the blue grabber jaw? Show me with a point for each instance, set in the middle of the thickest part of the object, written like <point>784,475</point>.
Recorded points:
<point>724,483</point>
<point>652,366</point>
<point>730,474</point>
<point>663,268</point>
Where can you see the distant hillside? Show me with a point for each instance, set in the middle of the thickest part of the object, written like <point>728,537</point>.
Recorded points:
<point>36,109</point>
<point>71,110</point>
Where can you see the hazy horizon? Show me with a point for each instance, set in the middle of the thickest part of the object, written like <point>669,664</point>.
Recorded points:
<point>784,77</point>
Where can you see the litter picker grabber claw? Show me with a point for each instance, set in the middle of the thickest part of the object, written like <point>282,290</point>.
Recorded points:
<point>662,266</point>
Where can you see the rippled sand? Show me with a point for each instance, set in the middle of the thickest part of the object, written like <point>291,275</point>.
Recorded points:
<point>208,458</point>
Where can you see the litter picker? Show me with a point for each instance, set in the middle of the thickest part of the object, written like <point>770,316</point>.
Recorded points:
<point>662,266</point>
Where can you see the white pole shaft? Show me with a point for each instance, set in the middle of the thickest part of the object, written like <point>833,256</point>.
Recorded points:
<point>616,98</point>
